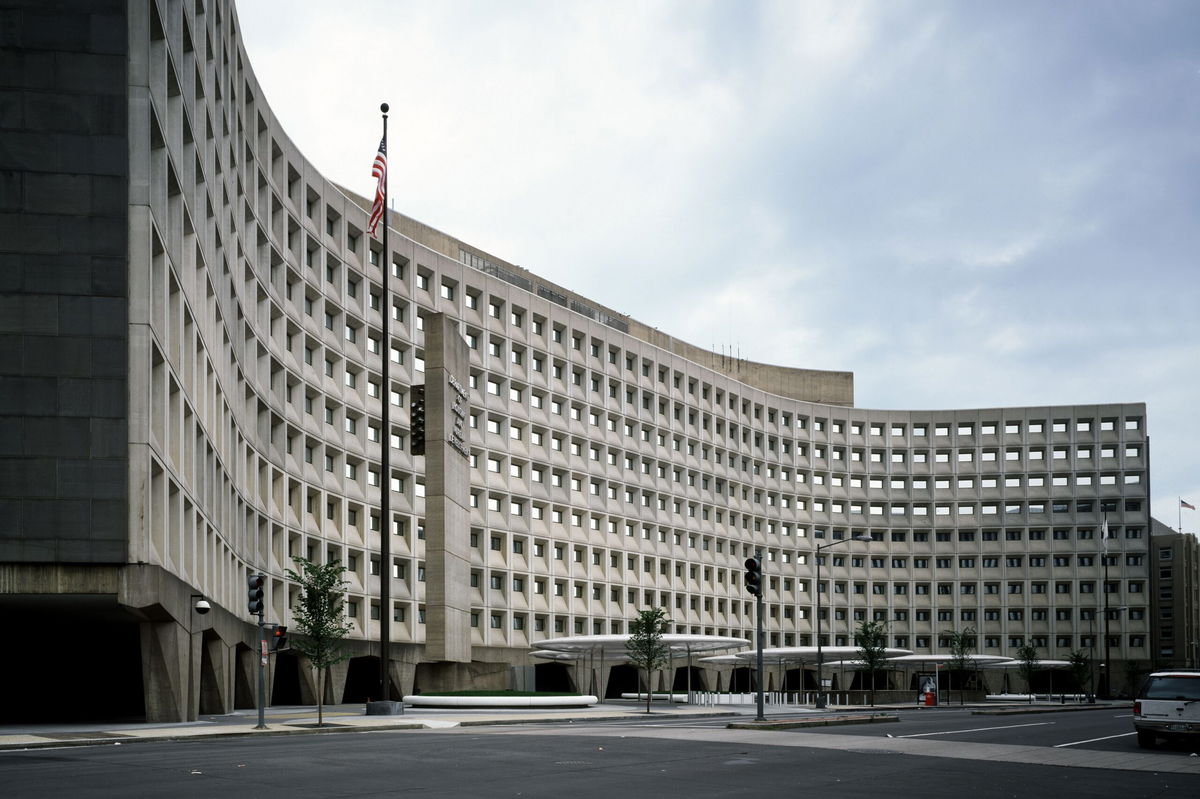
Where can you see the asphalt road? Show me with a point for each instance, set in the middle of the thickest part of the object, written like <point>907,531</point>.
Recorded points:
<point>582,760</point>
<point>1109,729</point>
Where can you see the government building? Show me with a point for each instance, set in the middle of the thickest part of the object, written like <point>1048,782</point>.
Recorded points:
<point>192,391</point>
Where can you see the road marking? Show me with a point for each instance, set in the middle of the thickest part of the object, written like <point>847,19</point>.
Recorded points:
<point>1093,740</point>
<point>977,729</point>
<point>1126,716</point>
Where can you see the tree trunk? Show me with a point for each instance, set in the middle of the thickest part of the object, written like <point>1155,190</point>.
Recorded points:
<point>649,688</point>
<point>320,698</point>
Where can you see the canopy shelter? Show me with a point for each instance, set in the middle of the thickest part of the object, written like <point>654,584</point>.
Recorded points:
<point>941,660</point>
<point>808,654</point>
<point>976,660</point>
<point>725,660</point>
<point>804,655</point>
<point>579,657</point>
<point>615,647</point>
<point>1010,665</point>
<point>1041,664</point>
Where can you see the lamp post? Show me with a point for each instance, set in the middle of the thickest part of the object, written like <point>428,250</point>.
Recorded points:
<point>1091,698</point>
<point>821,703</point>
<point>1107,684</point>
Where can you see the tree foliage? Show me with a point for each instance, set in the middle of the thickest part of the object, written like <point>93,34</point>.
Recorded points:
<point>961,642</point>
<point>1028,655</point>
<point>646,648</point>
<point>871,640</point>
<point>319,613</point>
<point>1081,669</point>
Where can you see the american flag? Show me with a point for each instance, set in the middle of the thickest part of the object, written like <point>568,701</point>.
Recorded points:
<point>1187,505</point>
<point>379,172</point>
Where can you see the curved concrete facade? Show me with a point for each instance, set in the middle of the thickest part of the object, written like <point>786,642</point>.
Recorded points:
<point>605,467</point>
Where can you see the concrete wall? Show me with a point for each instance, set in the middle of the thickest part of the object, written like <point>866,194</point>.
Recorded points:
<point>447,548</point>
<point>63,178</point>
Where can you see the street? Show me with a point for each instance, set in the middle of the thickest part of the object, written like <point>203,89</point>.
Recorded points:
<point>1107,729</point>
<point>650,757</point>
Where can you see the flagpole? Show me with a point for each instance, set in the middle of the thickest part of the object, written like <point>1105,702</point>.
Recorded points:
<point>1179,510</point>
<point>1107,618</point>
<point>385,489</point>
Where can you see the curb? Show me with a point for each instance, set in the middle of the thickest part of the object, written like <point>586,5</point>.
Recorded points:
<point>827,721</point>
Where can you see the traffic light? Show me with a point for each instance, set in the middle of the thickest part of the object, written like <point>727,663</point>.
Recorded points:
<point>416,420</point>
<point>254,593</point>
<point>278,637</point>
<point>754,575</point>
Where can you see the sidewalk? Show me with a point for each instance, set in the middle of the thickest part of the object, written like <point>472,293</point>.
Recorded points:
<point>301,720</point>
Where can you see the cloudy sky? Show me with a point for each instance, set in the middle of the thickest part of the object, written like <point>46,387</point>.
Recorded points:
<point>967,204</point>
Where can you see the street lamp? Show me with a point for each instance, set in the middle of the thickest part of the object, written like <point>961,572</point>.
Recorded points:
<point>821,703</point>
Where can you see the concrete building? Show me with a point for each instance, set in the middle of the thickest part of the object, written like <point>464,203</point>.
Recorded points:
<point>1175,586</point>
<point>191,392</point>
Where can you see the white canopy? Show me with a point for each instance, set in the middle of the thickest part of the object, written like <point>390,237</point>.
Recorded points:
<point>977,660</point>
<point>678,643</point>
<point>618,655</point>
<point>808,654</point>
<point>723,660</point>
<point>1041,664</point>
<point>593,648</point>
<point>850,664</point>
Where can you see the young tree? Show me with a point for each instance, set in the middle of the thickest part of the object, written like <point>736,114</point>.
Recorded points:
<point>871,639</point>
<point>320,618</point>
<point>646,648</point>
<point>961,643</point>
<point>1028,655</point>
<point>1081,670</point>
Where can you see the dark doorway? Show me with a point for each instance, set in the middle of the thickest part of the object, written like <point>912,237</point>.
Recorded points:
<point>285,690</point>
<point>553,677</point>
<point>623,679</point>
<point>681,679</point>
<point>71,667</point>
<point>741,680</point>
<point>362,680</point>
<point>793,680</point>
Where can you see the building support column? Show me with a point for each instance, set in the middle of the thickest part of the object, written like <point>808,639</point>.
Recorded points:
<point>166,651</point>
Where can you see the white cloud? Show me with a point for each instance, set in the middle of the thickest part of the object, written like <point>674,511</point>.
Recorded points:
<point>969,205</point>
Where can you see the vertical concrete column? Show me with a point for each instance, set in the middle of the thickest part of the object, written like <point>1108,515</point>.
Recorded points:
<point>404,676</point>
<point>335,683</point>
<point>166,647</point>
<point>216,676</point>
<point>447,488</point>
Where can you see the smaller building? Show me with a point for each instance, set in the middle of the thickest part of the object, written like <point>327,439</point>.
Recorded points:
<point>1175,582</point>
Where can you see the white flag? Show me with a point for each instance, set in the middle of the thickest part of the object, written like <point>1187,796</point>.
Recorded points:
<point>1104,536</point>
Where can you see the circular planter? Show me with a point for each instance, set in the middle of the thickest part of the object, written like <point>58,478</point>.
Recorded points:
<point>422,700</point>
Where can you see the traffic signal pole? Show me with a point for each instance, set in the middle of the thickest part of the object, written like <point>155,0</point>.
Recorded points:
<point>758,617</point>
<point>754,584</point>
<point>262,673</point>
<point>256,605</point>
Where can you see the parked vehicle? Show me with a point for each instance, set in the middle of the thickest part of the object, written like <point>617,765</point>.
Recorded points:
<point>1168,706</point>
